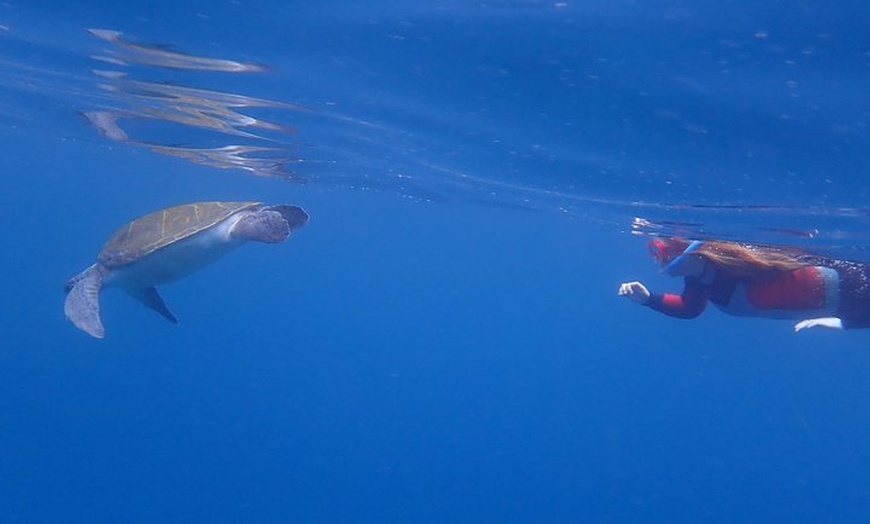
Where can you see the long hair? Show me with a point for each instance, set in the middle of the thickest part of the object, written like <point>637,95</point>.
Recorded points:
<point>745,260</point>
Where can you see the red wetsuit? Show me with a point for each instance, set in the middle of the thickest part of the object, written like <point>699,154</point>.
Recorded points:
<point>829,288</point>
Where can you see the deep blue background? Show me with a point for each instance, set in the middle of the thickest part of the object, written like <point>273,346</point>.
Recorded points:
<point>445,345</point>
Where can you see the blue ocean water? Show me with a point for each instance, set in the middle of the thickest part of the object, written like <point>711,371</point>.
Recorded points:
<point>443,341</point>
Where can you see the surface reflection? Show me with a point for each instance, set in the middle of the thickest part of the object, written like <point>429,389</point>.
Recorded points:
<point>260,147</point>
<point>125,52</point>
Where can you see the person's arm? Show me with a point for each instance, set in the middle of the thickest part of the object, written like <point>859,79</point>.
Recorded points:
<point>689,304</point>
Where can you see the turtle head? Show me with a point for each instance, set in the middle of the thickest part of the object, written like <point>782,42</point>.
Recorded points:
<point>295,216</point>
<point>269,224</point>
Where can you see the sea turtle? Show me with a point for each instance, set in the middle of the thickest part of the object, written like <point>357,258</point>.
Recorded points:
<point>169,244</point>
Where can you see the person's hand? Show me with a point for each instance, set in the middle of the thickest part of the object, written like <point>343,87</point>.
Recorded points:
<point>828,322</point>
<point>635,291</point>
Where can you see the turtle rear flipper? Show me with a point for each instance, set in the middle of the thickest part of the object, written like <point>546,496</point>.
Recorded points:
<point>82,306</point>
<point>151,298</point>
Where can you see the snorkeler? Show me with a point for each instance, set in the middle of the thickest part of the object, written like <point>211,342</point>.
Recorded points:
<point>758,281</point>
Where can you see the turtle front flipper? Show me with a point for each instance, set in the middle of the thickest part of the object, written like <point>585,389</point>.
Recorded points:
<point>82,306</point>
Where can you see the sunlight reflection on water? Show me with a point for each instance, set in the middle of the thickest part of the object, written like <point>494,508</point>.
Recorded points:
<point>201,109</point>
<point>175,103</point>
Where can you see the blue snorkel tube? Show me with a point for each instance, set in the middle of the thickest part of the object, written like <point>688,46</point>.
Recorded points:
<point>674,264</point>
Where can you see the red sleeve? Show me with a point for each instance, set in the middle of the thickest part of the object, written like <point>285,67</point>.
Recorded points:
<point>689,304</point>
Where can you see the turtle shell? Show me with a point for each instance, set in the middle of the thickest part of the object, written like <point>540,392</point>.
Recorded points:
<point>157,230</point>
